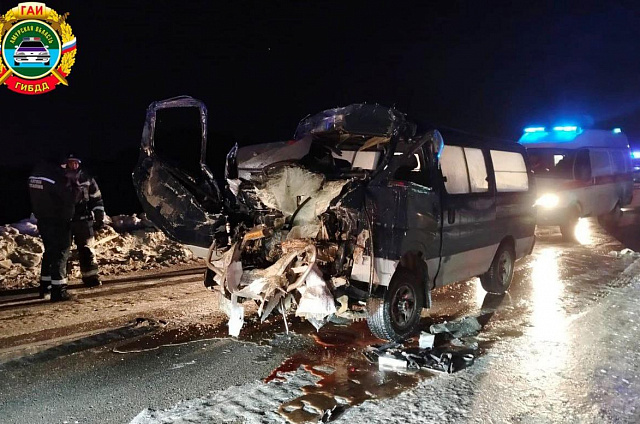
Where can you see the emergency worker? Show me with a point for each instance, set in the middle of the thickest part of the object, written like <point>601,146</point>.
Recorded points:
<point>88,216</point>
<point>52,202</point>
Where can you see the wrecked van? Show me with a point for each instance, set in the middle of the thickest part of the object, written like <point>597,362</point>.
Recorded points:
<point>360,216</point>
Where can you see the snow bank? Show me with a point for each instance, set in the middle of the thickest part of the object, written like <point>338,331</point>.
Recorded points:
<point>130,244</point>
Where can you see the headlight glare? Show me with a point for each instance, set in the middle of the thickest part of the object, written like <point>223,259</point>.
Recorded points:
<point>547,201</point>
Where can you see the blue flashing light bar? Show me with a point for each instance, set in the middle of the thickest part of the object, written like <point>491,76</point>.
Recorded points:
<point>567,128</point>
<point>534,129</point>
<point>617,130</point>
<point>635,154</point>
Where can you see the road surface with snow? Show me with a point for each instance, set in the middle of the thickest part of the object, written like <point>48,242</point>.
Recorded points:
<point>561,346</point>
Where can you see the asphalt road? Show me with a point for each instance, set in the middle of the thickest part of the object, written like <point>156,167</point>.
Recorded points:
<point>92,383</point>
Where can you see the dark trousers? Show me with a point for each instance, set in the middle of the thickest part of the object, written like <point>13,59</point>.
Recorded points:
<point>56,237</point>
<point>83,234</point>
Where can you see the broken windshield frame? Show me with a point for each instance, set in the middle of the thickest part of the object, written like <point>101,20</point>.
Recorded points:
<point>398,158</point>
<point>150,127</point>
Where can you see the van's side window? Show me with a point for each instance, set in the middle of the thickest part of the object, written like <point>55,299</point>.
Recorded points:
<point>454,169</point>
<point>617,158</point>
<point>511,171</point>
<point>600,163</point>
<point>583,166</point>
<point>465,170</point>
<point>477,170</point>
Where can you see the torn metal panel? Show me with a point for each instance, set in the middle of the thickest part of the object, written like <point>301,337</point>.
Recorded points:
<point>383,270</point>
<point>289,188</point>
<point>254,159</point>
<point>186,207</point>
<point>365,119</point>
<point>172,207</point>
<point>316,302</point>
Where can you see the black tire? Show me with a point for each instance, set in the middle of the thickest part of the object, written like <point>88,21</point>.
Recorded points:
<point>16,63</point>
<point>568,229</point>
<point>396,315</point>
<point>47,64</point>
<point>498,279</point>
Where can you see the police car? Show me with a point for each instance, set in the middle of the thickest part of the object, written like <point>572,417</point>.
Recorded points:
<point>31,50</point>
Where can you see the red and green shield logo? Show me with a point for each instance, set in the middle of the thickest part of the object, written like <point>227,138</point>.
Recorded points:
<point>31,49</point>
<point>37,48</point>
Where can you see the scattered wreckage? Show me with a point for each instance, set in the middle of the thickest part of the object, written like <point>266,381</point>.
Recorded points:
<point>345,220</point>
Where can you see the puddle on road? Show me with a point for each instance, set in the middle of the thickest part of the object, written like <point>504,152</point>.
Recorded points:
<point>334,354</point>
<point>252,332</point>
<point>347,378</point>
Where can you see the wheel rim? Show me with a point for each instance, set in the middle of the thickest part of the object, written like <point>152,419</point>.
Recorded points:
<point>403,306</point>
<point>505,266</point>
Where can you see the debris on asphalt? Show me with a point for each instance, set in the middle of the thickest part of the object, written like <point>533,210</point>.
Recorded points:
<point>392,361</point>
<point>440,359</point>
<point>623,253</point>
<point>426,340</point>
<point>467,326</point>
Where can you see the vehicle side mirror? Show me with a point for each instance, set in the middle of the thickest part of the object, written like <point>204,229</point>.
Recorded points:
<point>231,165</point>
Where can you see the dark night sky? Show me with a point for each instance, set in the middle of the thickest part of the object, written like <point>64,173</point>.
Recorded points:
<point>486,67</point>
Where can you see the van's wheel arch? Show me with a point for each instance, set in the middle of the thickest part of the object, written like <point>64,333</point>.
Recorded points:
<point>612,217</point>
<point>396,315</point>
<point>568,228</point>
<point>500,274</point>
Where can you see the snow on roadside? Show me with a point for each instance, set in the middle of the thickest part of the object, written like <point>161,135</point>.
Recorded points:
<point>128,244</point>
<point>250,403</point>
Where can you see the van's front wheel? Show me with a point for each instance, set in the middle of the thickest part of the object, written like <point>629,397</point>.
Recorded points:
<point>396,315</point>
<point>568,229</point>
<point>498,279</point>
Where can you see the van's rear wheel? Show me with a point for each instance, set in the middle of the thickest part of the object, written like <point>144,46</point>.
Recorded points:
<point>498,279</point>
<point>396,315</point>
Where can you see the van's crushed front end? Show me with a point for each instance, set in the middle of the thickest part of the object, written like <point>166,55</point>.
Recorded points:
<point>292,221</point>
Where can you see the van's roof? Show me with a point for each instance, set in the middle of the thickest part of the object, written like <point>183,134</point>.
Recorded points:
<point>574,139</point>
<point>458,138</point>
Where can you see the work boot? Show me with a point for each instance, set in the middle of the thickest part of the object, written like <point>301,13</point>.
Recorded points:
<point>93,281</point>
<point>45,289</point>
<point>60,294</point>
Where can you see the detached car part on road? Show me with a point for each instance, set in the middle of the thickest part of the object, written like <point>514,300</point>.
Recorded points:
<point>361,215</point>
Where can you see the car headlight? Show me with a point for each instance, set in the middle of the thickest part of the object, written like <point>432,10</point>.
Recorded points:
<point>547,201</point>
<point>44,53</point>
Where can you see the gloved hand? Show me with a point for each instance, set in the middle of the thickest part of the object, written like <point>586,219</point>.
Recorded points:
<point>98,219</point>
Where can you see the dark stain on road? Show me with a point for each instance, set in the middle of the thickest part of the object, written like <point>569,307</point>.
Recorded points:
<point>254,331</point>
<point>347,378</point>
